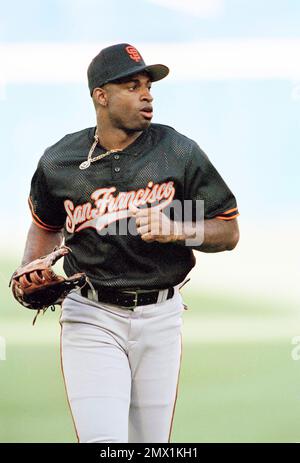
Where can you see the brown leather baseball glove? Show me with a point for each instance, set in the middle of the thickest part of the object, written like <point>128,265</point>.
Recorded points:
<point>36,286</point>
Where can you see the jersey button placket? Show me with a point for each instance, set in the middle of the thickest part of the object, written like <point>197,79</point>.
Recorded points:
<point>116,166</point>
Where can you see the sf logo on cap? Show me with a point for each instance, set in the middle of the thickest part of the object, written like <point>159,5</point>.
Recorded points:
<point>133,53</point>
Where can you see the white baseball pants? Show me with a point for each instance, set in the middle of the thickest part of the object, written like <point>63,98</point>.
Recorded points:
<point>121,368</point>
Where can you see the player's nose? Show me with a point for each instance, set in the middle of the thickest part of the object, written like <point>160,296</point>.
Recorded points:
<point>146,95</point>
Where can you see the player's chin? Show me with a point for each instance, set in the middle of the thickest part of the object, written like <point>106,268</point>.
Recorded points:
<point>145,125</point>
<point>137,123</point>
<point>139,126</point>
<point>144,120</point>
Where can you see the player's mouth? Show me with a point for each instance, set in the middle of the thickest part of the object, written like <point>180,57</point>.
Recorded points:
<point>147,112</point>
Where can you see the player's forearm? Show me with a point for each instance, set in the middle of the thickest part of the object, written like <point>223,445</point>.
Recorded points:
<point>40,242</point>
<point>219,235</point>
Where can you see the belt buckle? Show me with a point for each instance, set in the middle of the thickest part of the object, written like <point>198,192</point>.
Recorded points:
<point>135,301</point>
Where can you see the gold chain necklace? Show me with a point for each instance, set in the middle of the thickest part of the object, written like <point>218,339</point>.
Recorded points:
<point>87,163</point>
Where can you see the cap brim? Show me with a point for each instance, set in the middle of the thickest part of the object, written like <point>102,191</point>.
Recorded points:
<point>157,71</point>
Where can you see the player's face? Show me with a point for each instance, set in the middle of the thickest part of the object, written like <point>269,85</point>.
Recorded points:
<point>130,103</point>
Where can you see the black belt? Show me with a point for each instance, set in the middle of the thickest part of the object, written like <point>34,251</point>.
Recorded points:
<point>128,299</point>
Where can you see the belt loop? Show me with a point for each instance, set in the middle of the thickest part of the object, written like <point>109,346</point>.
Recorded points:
<point>160,297</point>
<point>165,295</point>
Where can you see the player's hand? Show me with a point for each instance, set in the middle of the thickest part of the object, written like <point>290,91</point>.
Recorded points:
<point>153,225</point>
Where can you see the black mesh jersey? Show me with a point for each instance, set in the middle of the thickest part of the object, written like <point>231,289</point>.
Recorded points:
<point>92,205</point>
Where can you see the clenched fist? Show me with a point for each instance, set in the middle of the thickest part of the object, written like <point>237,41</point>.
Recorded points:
<point>153,225</point>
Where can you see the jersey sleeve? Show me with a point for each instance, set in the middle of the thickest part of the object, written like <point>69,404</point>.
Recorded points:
<point>46,210</point>
<point>203,182</point>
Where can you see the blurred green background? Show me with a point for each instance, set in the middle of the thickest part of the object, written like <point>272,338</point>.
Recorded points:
<point>238,382</point>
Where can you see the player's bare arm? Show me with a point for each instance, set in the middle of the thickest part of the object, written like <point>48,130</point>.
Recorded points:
<point>153,225</point>
<point>219,235</point>
<point>40,242</point>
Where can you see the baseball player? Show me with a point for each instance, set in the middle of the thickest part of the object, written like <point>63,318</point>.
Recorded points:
<point>121,333</point>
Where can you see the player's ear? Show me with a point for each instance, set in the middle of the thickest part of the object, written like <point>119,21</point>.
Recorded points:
<point>100,96</point>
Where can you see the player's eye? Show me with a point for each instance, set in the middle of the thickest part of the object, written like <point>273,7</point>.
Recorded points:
<point>132,86</point>
<point>135,85</point>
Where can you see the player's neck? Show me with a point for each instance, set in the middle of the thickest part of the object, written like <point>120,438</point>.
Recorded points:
<point>113,138</point>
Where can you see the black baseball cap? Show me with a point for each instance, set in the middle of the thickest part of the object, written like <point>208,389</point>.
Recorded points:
<point>118,61</point>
